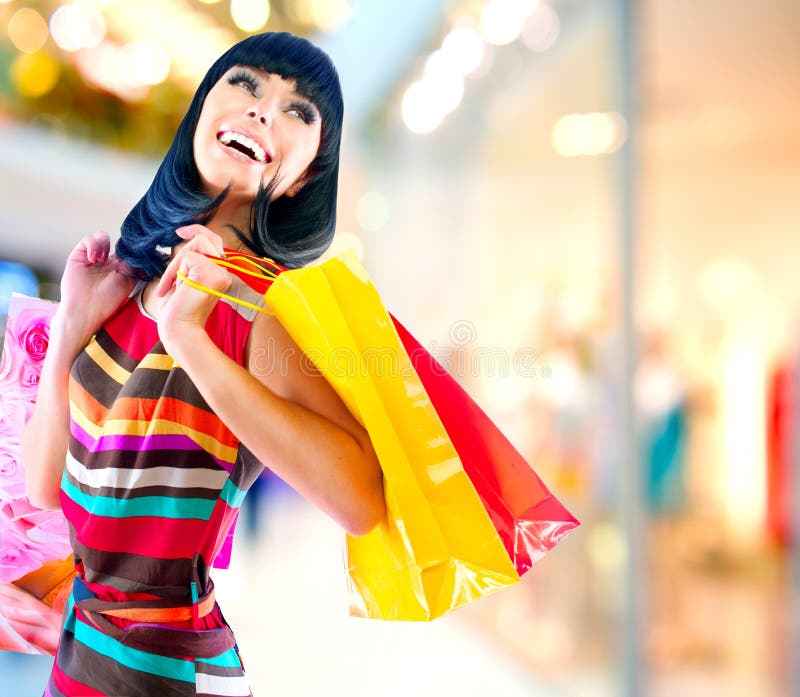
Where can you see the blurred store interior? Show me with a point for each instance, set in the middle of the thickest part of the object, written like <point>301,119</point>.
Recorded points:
<point>484,186</point>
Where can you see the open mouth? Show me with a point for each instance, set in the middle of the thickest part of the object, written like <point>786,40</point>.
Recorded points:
<point>243,144</point>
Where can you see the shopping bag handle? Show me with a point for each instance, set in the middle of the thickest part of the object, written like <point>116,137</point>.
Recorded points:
<point>264,274</point>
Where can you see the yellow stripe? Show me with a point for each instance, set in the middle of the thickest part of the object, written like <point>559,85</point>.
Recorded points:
<point>158,361</point>
<point>113,369</point>
<point>131,427</point>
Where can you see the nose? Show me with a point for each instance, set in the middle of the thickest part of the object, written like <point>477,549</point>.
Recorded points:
<point>264,118</point>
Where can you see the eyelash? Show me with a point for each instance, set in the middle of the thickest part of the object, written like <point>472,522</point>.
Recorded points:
<point>236,78</point>
<point>306,112</point>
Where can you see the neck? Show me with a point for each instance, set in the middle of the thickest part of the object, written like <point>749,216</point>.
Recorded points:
<point>231,213</point>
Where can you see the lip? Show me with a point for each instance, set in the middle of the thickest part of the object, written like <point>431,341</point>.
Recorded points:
<point>239,156</point>
<point>252,136</point>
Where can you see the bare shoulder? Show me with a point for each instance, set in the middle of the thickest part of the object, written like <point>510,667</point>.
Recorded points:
<point>275,359</point>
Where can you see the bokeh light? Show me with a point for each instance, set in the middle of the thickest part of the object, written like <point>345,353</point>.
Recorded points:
<point>76,26</point>
<point>34,74</point>
<point>250,15</point>
<point>486,64</point>
<point>502,20</point>
<point>606,546</point>
<point>418,107</point>
<point>445,80</point>
<point>145,62</point>
<point>107,66</point>
<point>589,134</point>
<point>464,47</point>
<point>542,28</point>
<point>27,30</point>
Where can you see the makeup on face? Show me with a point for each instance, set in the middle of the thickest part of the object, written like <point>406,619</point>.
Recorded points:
<point>260,120</point>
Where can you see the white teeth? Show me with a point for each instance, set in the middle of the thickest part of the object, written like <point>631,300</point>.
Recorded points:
<point>226,137</point>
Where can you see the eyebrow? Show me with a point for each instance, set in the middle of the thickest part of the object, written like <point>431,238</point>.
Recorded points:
<point>260,73</point>
<point>305,98</point>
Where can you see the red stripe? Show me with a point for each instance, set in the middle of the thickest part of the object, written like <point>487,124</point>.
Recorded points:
<point>165,538</point>
<point>210,541</point>
<point>227,518</point>
<point>68,686</point>
<point>136,344</point>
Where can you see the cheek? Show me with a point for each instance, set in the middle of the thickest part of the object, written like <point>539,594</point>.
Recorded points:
<point>309,152</point>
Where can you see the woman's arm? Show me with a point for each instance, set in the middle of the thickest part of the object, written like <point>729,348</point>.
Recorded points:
<point>94,284</point>
<point>293,421</point>
<point>300,428</point>
<point>46,436</point>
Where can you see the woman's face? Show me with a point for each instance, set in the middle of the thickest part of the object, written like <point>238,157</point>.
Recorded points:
<point>252,127</point>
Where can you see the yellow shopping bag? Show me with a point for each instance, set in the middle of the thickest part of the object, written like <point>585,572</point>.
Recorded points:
<point>437,549</point>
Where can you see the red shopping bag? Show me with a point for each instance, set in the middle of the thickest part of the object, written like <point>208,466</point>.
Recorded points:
<point>528,518</point>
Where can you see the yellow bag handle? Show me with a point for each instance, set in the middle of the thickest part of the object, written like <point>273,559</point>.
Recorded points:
<point>269,273</point>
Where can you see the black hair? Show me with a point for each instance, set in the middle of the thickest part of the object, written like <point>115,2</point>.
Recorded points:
<point>292,230</point>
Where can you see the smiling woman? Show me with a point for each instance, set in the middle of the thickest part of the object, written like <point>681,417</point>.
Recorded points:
<point>149,394</point>
<point>256,118</point>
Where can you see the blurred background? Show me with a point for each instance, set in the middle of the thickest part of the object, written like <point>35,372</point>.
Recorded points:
<point>608,189</point>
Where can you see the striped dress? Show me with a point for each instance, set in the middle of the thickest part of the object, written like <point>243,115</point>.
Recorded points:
<point>152,486</point>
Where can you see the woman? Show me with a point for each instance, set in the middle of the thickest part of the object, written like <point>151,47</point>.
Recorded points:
<point>176,398</point>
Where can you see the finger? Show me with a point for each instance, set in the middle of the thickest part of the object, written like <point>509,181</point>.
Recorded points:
<point>201,231</point>
<point>12,596</point>
<point>169,276</point>
<point>170,273</point>
<point>26,615</point>
<point>200,269</point>
<point>103,244</point>
<point>44,637</point>
<point>85,250</point>
<point>201,244</point>
<point>43,615</point>
<point>94,247</point>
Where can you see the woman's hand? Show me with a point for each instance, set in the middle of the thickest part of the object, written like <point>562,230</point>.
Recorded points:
<point>27,621</point>
<point>94,284</point>
<point>187,309</point>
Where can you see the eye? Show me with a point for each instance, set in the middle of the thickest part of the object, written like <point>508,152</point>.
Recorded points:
<point>244,80</point>
<point>303,111</point>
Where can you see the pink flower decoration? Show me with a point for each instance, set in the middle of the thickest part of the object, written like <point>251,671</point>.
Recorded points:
<point>19,555</point>
<point>35,334</point>
<point>29,536</point>
<point>6,365</point>
<point>30,379</point>
<point>10,364</point>
<point>14,414</point>
<point>12,475</point>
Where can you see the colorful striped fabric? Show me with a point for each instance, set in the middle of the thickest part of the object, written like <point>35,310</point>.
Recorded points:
<point>152,485</point>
